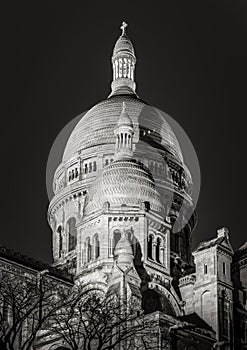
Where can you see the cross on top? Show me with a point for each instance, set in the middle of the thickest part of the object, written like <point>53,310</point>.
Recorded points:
<point>123,27</point>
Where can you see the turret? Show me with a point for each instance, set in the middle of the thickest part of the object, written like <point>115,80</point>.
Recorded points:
<point>213,287</point>
<point>123,65</point>
<point>124,136</point>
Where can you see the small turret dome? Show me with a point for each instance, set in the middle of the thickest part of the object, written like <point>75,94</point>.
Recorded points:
<point>123,250</point>
<point>123,44</point>
<point>123,62</point>
<point>123,182</point>
<point>124,119</point>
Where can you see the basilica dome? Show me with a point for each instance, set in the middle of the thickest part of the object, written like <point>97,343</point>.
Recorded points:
<point>123,182</point>
<point>148,168</point>
<point>96,127</point>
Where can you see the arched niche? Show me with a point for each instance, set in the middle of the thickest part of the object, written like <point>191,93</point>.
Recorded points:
<point>153,300</point>
<point>96,246</point>
<point>205,306</point>
<point>60,240</point>
<point>88,249</point>
<point>167,298</point>
<point>72,233</point>
<point>116,238</point>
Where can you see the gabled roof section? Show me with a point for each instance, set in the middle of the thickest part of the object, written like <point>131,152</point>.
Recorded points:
<point>221,241</point>
<point>243,247</point>
<point>241,253</point>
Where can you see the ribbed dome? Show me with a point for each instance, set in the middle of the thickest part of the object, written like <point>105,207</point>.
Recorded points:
<point>123,182</point>
<point>96,127</point>
<point>123,46</point>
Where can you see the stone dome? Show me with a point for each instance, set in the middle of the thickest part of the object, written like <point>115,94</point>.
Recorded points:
<point>123,182</point>
<point>123,247</point>
<point>123,45</point>
<point>96,127</point>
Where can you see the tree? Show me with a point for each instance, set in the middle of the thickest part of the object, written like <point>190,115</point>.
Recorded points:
<point>94,321</point>
<point>26,304</point>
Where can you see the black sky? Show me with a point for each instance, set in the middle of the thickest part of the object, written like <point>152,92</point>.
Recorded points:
<point>55,64</point>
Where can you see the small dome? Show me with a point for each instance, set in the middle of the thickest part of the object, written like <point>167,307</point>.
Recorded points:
<point>123,46</point>
<point>124,119</point>
<point>123,182</point>
<point>123,248</point>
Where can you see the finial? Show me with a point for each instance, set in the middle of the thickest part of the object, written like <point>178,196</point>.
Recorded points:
<point>123,27</point>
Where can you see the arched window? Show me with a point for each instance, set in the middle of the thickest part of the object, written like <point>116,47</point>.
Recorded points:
<point>116,238</point>
<point>88,250</point>
<point>86,169</point>
<point>224,268</point>
<point>118,141</point>
<point>205,269</point>
<point>90,167</point>
<point>125,68</point>
<point>150,247</point>
<point>120,68</point>
<point>132,71</point>
<point>116,69</point>
<point>60,240</point>
<point>129,63</point>
<point>157,250</point>
<point>205,301</point>
<point>96,246</point>
<point>94,166</point>
<point>72,232</point>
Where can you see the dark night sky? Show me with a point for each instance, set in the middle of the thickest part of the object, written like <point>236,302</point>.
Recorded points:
<point>55,64</point>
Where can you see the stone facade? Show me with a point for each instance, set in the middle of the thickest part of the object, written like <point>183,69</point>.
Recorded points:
<point>123,175</point>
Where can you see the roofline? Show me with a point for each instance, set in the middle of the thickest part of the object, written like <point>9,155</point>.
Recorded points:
<point>27,262</point>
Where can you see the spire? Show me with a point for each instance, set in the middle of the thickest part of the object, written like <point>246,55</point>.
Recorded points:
<point>124,135</point>
<point>123,65</point>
